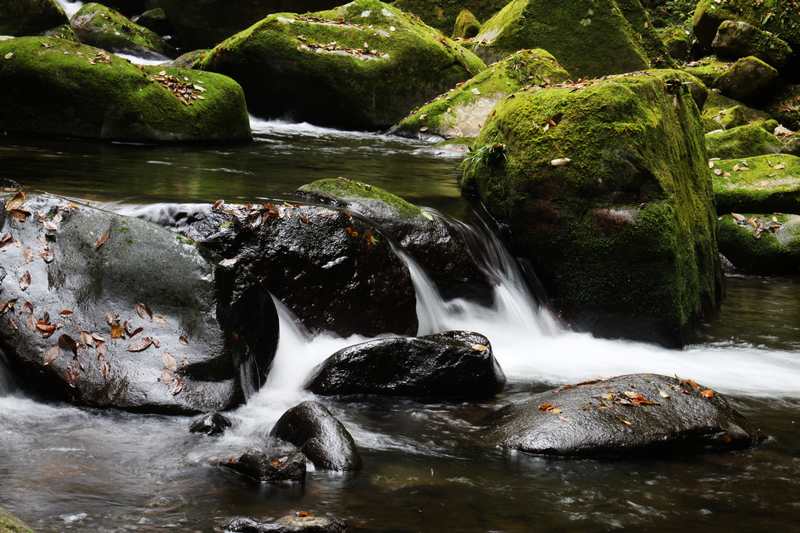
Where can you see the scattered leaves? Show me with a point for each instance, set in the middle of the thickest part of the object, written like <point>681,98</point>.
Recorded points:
<point>549,408</point>
<point>25,281</point>
<point>16,202</point>
<point>144,311</point>
<point>707,393</point>
<point>141,345</point>
<point>102,240</point>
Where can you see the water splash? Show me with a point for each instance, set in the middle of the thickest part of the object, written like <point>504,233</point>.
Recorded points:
<point>70,6</point>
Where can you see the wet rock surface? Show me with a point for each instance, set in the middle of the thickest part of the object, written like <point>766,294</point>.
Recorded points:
<point>455,365</point>
<point>269,468</point>
<point>210,424</point>
<point>300,522</point>
<point>319,435</point>
<point>110,311</point>
<point>622,416</point>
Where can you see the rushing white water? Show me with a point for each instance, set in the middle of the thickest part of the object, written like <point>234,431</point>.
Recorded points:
<point>137,60</point>
<point>70,7</point>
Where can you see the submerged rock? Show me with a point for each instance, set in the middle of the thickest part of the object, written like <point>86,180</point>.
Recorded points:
<point>737,39</point>
<point>452,365</point>
<point>761,244</point>
<point>636,414</point>
<point>29,17</point>
<point>606,189</point>
<point>462,111</point>
<point>258,465</point>
<point>300,522</point>
<point>319,435</point>
<point>763,184</point>
<point>55,87</point>
<point>109,311</point>
<point>99,26</point>
<point>210,424</point>
<point>339,67</point>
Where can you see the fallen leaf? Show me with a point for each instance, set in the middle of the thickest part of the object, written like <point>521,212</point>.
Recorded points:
<point>101,240</point>
<point>117,331</point>
<point>144,311</point>
<point>25,281</point>
<point>20,215</point>
<point>16,202</point>
<point>27,307</point>
<point>5,240</point>
<point>560,162</point>
<point>169,361</point>
<point>51,355</point>
<point>708,393</point>
<point>65,312</point>
<point>46,329</point>
<point>480,347</point>
<point>86,338</point>
<point>184,339</point>
<point>549,408</point>
<point>140,345</point>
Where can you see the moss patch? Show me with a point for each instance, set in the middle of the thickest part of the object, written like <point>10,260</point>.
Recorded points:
<point>362,65</point>
<point>467,25</point>
<point>350,190</point>
<point>737,39</point>
<point>708,69</point>
<point>462,111</point>
<point>744,141</point>
<point>10,524</point>
<point>758,184</point>
<point>677,40</point>
<point>442,14</point>
<point>56,87</point>
<point>764,244</point>
<point>29,17</point>
<point>613,205</point>
<point>781,17</point>
<point>749,79</point>
<point>99,26</point>
<point>721,112</point>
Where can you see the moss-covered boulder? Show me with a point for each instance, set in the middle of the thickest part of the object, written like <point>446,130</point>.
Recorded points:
<point>10,524</point>
<point>462,111</point>
<point>780,17</point>
<point>753,139</point>
<point>56,87</point>
<point>737,39</point>
<point>708,69</point>
<point>363,65</point>
<point>29,17</point>
<point>442,14</point>
<point>677,40</point>
<point>155,20</point>
<point>785,106</point>
<point>99,26</point>
<point>761,184</point>
<point>467,25</point>
<point>606,189</point>
<point>749,80</point>
<point>764,244</point>
<point>721,112</point>
<point>190,59</point>
<point>206,23</point>
<point>588,37</point>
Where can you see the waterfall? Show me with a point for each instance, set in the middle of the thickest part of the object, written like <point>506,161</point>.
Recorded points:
<point>70,6</point>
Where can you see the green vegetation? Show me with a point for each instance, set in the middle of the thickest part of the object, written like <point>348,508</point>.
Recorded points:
<point>752,139</point>
<point>442,14</point>
<point>10,524</point>
<point>781,17</point>
<point>759,184</point>
<point>467,25</point>
<point>350,190</point>
<point>721,112</point>
<point>99,26</point>
<point>765,244</point>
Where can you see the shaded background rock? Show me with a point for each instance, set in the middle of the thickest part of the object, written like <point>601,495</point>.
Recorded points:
<point>99,26</point>
<point>210,424</point>
<point>29,17</point>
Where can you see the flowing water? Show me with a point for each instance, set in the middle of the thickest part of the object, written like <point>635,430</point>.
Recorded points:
<point>69,469</point>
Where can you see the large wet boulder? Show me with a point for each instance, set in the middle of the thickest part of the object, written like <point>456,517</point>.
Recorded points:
<point>588,37</point>
<point>627,415</point>
<point>757,138</point>
<point>300,522</point>
<point>335,272</point>
<point>443,14</point>
<point>288,467</point>
<point>781,18</point>
<point>452,365</point>
<point>55,87</point>
<point>111,311</point>
<point>761,243</point>
<point>737,39</point>
<point>439,245</point>
<point>760,184</point>
<point>749,80</point>
<point>210,424</point>
<point>364,65</point>
<point>206,23</point>
<point>29,17</point>
<point>462,111</point>
<point>319,435</point>
<point>99,26</point>
<point>606,190</point>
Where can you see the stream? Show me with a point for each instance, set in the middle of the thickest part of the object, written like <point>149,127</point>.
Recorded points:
<point>72,469</point>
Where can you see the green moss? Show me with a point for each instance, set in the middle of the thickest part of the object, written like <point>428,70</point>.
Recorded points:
<point>749,79</point>
<point>613,205</point>
<point>744,141</point>
<point>708,69</point>
<point>643,30</point>
<point>56,87</point>
<point>350,190</point>
<point>737,39</point>
<point>64,31</point>
<point>588,37</point>
<point>462,111</point>
<point>442,14</point>
<point>671,12</point>
<point>10,524</point>
<point>781,17</point>
<point>677,40</point>
<point>721,112</point>
<point>99,26</point>
<point>29,17</point>
<point>758,184</point>
<point>765,244</point>
<point>191,59</point>
<point>467,25</point>
<point>287,65</point>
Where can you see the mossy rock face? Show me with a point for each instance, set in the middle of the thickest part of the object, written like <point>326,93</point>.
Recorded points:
<point>467,25</point>
<point>749,80</point>
<point>721,112</point>
<point>737,39</point>
<point>588,37</point>
<point>678,41</point>
<point>56,87</point>
<point>29,17</point>
<point>155,20</point>
<point>749,140</point>
<point>462,111</point>
<point>10,524</point>
<point>785,106</point>
<point>612,205</point>
<point>191,59</point>
<point>206,23</point>
<point>363,65</point>
<point>764,244</point>
<point>708,69</point>
<point>99,26</point>
<point>780,17</point>
<point>639,19</point>
<point>347,191</point>
<point>758,184</point>
<point>442,14</point>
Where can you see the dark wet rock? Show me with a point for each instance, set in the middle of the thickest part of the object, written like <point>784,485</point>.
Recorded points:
<point>737,39</point>
<point>319,435</point>
<point>643,413</point>
<point>785,106</point>
<point>452,365</point>
<point>155,20</point>
<point>749,80</point>
<point>29,17</point>
<point>190,59</point>
<point>440,246</point>
<point>269,468</point>
<point>334,271</point>
<point>97,25</point>
<point>765,244</point>
<point>210,424</point>
<point>111,311</point>
<point>301,522</point>
<point>444,15</point>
